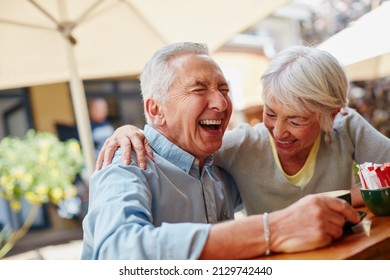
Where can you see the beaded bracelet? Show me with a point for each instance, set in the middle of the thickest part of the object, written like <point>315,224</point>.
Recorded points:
<point>267,234</point>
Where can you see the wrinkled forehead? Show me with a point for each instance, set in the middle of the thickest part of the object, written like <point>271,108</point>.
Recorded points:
<point>197,66</point>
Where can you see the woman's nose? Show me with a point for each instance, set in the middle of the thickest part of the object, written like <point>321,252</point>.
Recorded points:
<point>280,129</point>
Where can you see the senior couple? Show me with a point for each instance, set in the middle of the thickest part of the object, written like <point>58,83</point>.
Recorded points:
<point>179,201</point>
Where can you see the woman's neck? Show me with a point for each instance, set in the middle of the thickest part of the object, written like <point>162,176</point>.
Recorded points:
<point>292,166</point>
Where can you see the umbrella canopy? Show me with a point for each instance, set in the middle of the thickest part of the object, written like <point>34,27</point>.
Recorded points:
<point>364,47</point>
<point>49,41</point>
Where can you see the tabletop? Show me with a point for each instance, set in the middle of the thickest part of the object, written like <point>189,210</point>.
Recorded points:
<point>369,240</point>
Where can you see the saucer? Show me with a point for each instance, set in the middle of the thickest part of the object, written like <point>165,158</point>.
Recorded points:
<point>348,225</point>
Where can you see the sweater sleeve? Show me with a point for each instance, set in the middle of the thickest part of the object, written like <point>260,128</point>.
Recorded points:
<point>369,145</point>
<point>232,142</point>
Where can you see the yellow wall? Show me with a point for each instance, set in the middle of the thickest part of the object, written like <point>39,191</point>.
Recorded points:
<point>250,67</point>
<point>51,104</point>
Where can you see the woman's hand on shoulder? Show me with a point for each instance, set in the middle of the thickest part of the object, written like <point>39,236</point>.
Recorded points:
<point>127,137</point>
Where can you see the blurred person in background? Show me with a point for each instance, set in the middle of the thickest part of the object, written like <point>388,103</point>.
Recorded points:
<point>372,102</point>
<point>178,207</point>
<point>304,146</point>
<point>100,125</point>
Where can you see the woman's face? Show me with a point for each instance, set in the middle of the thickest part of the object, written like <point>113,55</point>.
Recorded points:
<point>294,132</point>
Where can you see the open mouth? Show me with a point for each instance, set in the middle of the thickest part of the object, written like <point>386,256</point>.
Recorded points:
<point>284,142</point>
<point>211,124</point>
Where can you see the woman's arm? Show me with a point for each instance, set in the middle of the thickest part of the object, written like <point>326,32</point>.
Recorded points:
<point>127,137</point>
<point>292,229</point>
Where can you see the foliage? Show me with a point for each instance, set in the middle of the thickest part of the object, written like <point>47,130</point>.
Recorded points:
<point>39,168</point>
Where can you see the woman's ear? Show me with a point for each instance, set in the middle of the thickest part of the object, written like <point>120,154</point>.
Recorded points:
<point>336,111</point>
<point>154,110</point>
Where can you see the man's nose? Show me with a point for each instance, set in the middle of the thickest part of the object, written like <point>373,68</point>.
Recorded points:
<point>218,101</point>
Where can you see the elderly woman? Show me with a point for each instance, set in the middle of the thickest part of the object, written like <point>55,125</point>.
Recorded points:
<point>304,145</point>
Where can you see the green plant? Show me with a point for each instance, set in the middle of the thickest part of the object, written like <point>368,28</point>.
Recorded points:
<point>40,169</point>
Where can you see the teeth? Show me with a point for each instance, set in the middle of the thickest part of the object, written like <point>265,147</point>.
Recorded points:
<point>211,122</point>
<point>284,142</point>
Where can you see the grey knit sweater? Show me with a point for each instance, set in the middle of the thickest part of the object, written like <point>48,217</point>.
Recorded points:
<point>246,153</point>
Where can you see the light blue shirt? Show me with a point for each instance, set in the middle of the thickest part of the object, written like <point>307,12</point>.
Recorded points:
<point>163,212</point>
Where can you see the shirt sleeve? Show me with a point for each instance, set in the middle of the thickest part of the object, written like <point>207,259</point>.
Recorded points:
<point>119,223</point>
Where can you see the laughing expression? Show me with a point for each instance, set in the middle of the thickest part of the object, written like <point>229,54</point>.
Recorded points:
<point>294,132</point>
<point>198,110</point>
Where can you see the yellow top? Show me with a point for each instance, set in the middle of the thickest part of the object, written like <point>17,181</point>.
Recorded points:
<point>303,176</point>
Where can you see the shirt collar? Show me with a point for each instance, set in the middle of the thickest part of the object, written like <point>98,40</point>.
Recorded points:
<point>171,152</point>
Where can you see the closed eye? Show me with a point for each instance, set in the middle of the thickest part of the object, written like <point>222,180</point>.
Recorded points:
<point>270,115</point>
<point>299,121</point>
<point>224,91</point>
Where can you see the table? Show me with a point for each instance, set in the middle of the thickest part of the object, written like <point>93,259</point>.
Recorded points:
<point>357,245</point>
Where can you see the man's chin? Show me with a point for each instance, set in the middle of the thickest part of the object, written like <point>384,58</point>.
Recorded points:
<point>212,147</point>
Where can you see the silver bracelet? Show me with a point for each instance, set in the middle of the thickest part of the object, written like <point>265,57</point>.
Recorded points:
<point>267,234</point>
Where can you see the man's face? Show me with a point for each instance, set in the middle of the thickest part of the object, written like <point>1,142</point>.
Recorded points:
<point>198,109</point>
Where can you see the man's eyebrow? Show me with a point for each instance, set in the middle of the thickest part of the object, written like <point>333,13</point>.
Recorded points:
<point>199,83</point>
<point>223,84</point>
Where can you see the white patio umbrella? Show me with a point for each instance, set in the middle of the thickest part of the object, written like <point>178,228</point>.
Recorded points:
<point>49,41</point>
<point>364,47</point>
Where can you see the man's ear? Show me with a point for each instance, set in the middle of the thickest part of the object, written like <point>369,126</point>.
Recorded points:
<point>154,110</point>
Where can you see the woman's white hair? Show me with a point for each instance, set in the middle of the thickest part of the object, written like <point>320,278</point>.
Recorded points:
<point>307,80</point>
<point>158,75</point>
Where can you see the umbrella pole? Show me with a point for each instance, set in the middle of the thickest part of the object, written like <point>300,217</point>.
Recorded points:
<point>81,112</point>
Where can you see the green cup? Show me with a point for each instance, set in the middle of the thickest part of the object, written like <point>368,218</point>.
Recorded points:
<point>377,201</point>
<point>343,194</point>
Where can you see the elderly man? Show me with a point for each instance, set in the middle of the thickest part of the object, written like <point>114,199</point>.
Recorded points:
<point>173,208</point>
